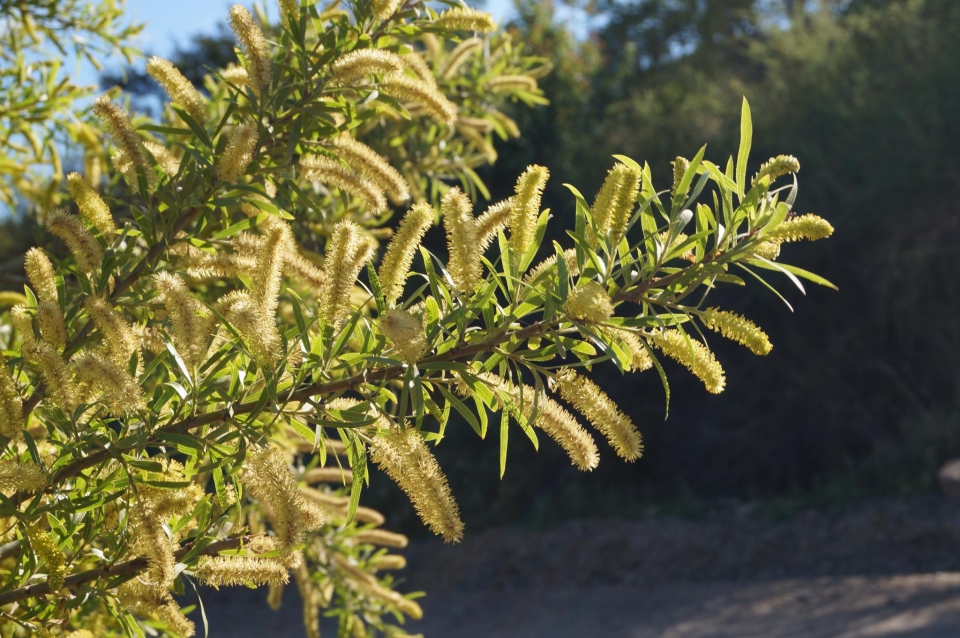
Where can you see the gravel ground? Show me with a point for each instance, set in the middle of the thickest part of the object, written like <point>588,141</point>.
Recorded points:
<point>881,568</point>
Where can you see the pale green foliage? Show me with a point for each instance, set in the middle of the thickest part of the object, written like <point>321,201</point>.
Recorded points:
<point>185,417</point>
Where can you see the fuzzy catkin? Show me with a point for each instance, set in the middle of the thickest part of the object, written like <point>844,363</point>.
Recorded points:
<point>11,404</point>
<point>181,91</point>
<point>128,142</point>
<point>380,537</point>
<point>805,227</point>
<point>589,302</point>
<point>424,94</point>
<point>348,253</point>
<point>373,167</point>
<point>342,476</point>
<point>614,202</point>
<point>166,159</point>
<point>601,412</point>
<point>525,209</point>
<point>122,393</point>
<point>492,221</point>
<point>466,19</point>
<point>693,355</point>
<point>737,328</point>
<point>777,167</point>
<point>289,11</point>
<point>236,75</point>
<point>556,422</point>
<point>464,264</point>
<point>146,600</point>
<point>50,320</point>
<point>459,55</point>
<point>119,339</point>
<point>253,44</point>
<point>91,205</point>
<point>44,545</point>
<point>550,265</point>
<point>21,477</point>
<point>238,153</point>
<point>384,9</point>
<point>640,358</point>
<point>227,571</point>
<point>40,272</point>
<point>405,332</point>
<point>354,65</point>
<point>247,316</point>
<point>404,456</point>
<point>270,480</point>
<point>83,246</point>
<point>191,321</point>
<point>57,376</point>
<point>318,168</point>
<point>401,250</point>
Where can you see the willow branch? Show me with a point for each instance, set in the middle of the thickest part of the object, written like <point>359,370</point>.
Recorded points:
<point>129,568</point>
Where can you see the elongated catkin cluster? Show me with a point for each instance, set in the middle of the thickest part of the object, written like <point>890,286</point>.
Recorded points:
<point>460,54</point>
<point>464,263</point>
<point>601,412</point>
<point>358,63</point>
<point>11,404</point>
<point>130,152</point>
<point>493,220</point>
<point>805,227</point>
<point>120,390</point>
<point>373,167</point>
<point>589,302</point>
<point>84,248</point>
<point>91,205</point>
<point>424,94</point>
<point>405,332</point>
<point>693,355</point>
<point>349,251</point>
<point>270,480</point>
<point>238,153</point>
<point>227,571</point>
<point>737,328</point>
<point>181,91</point>
<point>319,168</point>
<point>466,19</point>
<point>525,209</point>
<point>777,167</point>
<point>401,249</point>
<point>556,422</point>
<point>192,323</point>
<point>254,46</point>
<point>21,477</point>
<point>45,547</point>
<point>614,202</point>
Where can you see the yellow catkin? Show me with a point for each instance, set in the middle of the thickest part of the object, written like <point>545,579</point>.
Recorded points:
<point>404,456</point>
<point>128,142</point>
<point>191,321</point>
<point>368,585</point>
<point>384,9</point>
<point>589,302</point>
<point>11,404</point>
<point>525,209</point>
<point>405,332</point>
<point>556,422</point>
<point>247,316</point>
<point>253,44</point>
<point>44,546</point>
<point>512,83</point>
<point>466,19</point>
<point>80,633</point>
<point>57,376</point>
<point>343,476</point>
<point>680,166</point>
<point>51,323</point>
<point>464,263</point>
<point>23,323</point>
<point>693,355</point>
<point>386,562</point>
<point>614,202</point>
<point>146,600</point>
<point>347,254</point>
<point>167,160</point>
<point>21,477</point>
<point>91,205</point>
<point>805,227</point>
<point>737,328</point>
<point>550,265</point>
<point>289,11</point>
<point>605,201</point>
<point>356,64</point>
<point>121,391</point>
<point>777,167</point>
<point>493,220</point>
<point>424,94</point>
<point>181,91</point>
<point>151,540</point>
<point>415,62</point>
<point>42,277</point>
<point>302,270</point>
<point>119,339</point>
<point>268,269</point>
<point>380,537</point>
<point>373,167</point>
<point>401,249</point>
<point>318,168</point>
<point>236,75</point>
<point>640,356</point>
<point>593,403</point>
<point>459,55</point>
<point>83,246</point>
<point>238,153</point>
<point>767,250</point>
<point>268,477</point>
<point>623,209</point>
<point>228,571</point>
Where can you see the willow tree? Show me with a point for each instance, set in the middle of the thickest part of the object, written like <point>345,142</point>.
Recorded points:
<point>194,392</point>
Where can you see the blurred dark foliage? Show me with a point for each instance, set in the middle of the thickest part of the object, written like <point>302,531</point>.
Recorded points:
<point>861,394</point>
